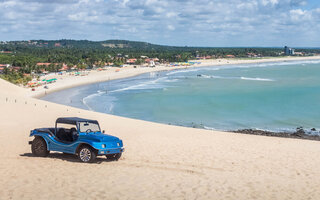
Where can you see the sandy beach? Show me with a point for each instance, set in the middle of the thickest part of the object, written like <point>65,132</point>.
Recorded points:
<point>160,161</point>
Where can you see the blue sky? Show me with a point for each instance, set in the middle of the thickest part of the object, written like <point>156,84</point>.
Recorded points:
<point>212,23</point>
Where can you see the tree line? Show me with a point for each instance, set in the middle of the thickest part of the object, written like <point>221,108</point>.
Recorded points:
<point>86,54</point>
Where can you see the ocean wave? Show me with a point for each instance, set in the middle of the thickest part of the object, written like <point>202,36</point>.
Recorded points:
<point>84,102</point>
<point>143,86</point>
<point>242,78</point>
<point>183,71</point>
<point>256,79</point>
<point>204,76</point>
<point>87,98</point>
<point>210,128</point>
<point>183,77</point>
<point>213,68</point>
<point>109,102</point>
<point>218,77</point>
<point>171,80</point>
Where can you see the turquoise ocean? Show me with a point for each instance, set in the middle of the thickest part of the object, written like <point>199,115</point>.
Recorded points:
<point>267,96</point>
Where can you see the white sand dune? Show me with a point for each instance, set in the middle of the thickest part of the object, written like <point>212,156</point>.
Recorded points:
<point>160,162</point>
<point>9,88</point>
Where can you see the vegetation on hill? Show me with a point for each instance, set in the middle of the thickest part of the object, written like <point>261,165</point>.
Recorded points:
<point>24,55</point>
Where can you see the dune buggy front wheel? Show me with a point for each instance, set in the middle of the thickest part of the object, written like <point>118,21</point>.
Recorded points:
<point>86,154</point>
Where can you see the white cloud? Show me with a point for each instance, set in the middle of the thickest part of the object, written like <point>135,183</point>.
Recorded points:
<point>272,2</point>
<point>171,14</point>
<point>298,15</point>
<point>171,27</point>
<point>176,22</point>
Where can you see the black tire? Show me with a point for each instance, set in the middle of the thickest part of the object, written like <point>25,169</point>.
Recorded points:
<point>86,154</point>
<point>114,157</point>
<point>39,147</point>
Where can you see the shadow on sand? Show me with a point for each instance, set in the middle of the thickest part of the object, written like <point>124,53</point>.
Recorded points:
<point>67,157</point>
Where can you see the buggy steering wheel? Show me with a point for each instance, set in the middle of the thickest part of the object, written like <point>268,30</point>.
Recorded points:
<point>88,130</point>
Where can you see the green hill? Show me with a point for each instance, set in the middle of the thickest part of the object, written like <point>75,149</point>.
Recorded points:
<point>112,44</point>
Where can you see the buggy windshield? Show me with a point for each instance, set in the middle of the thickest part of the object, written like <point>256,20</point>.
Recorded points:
<point>88,127</point>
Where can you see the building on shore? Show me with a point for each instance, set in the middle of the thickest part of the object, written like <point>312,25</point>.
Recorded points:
<point>131,61</point>
<point>288,51</point>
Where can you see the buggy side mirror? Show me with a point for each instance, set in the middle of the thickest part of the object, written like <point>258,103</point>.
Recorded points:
<point>103,131</point>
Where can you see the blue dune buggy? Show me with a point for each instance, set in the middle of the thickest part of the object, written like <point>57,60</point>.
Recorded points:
<point>81,137</point>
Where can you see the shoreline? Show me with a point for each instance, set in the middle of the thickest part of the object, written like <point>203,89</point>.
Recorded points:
<point>66,82</point>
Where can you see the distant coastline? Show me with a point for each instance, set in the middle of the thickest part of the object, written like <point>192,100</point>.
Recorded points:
<point>65,81</point>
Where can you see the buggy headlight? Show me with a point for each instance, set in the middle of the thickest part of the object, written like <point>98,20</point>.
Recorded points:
<point>103,146</point>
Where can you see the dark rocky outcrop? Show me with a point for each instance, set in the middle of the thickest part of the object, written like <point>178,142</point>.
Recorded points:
<point>299,133</point>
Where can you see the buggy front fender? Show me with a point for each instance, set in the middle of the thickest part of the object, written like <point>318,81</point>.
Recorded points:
<point>44,136</point>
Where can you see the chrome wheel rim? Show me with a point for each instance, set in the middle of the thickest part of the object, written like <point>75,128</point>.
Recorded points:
<point>85,155</point>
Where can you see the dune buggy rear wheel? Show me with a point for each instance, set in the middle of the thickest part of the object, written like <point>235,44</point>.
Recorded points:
<point>86,154</point>
<point>39,147</point>
<point>114,157</point>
